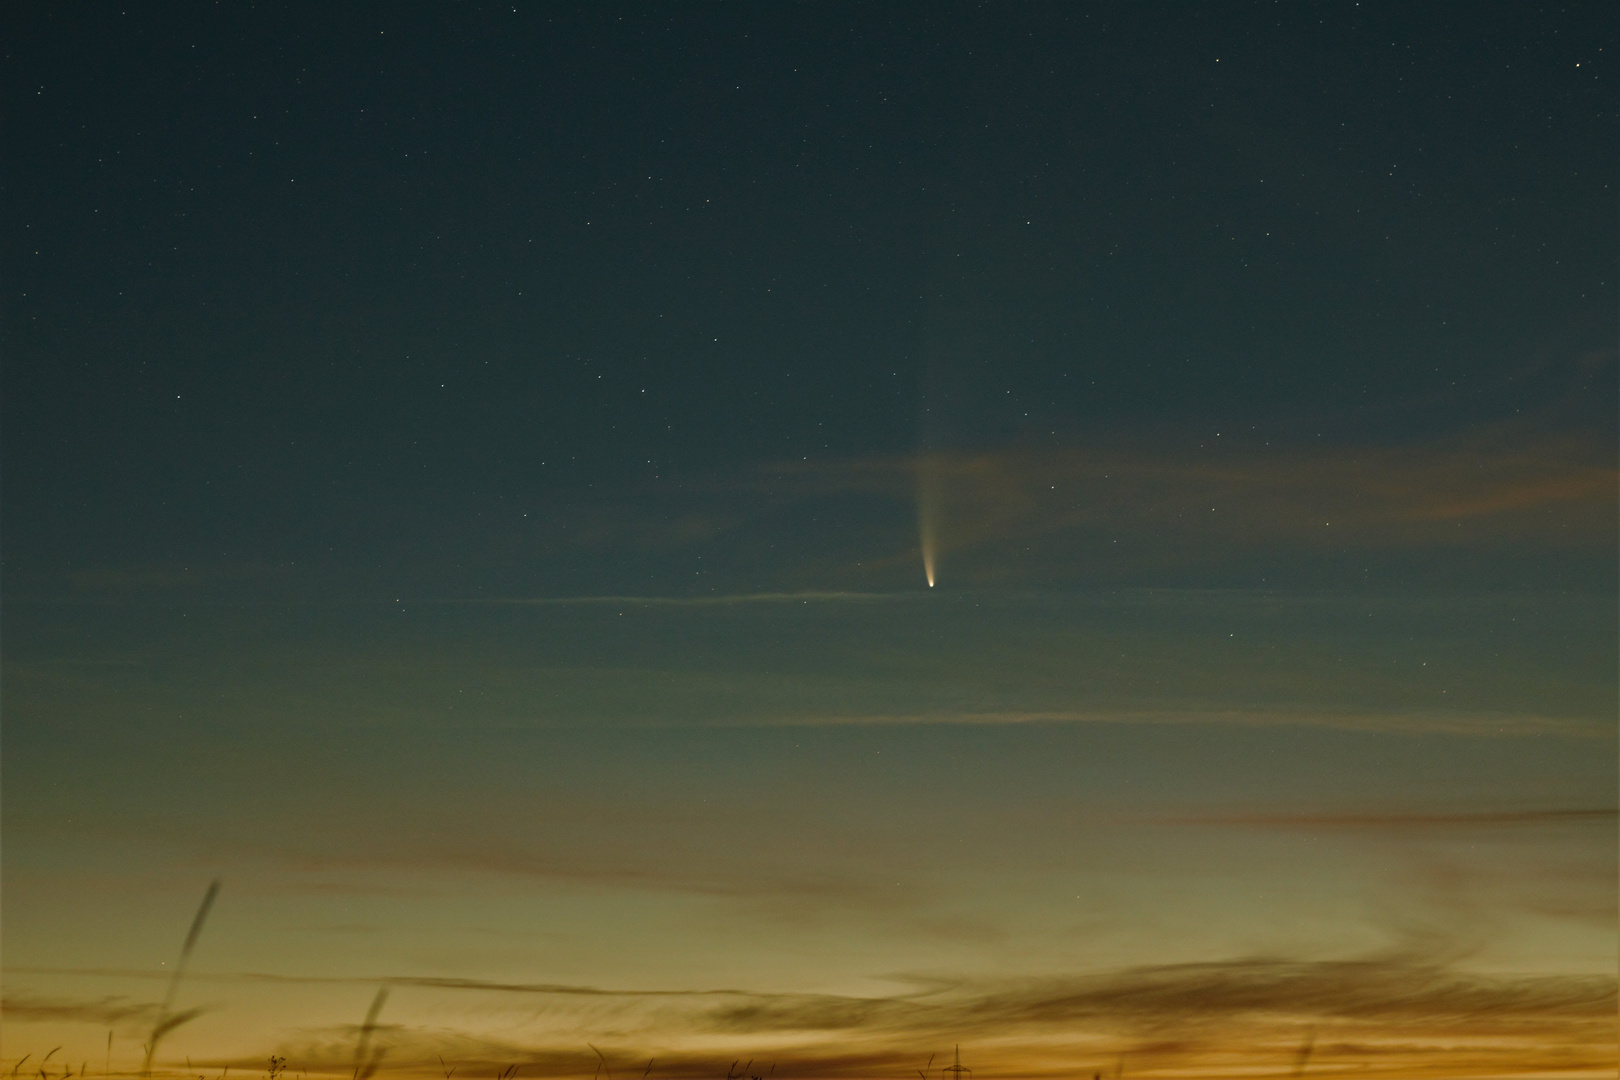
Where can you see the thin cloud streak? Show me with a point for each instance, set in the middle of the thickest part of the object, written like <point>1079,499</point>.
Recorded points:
<point>23,1006</point>
<point>1559,818</point>
<point>1388,990</point>
<point>1483,489</point>
<point>1409,1012</point>
<point>1440,723</point>
<point>724,600</point>
<point>1404,984</point>
<point>431,982</point>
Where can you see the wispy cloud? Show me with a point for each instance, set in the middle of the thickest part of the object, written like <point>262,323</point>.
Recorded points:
<point>1126,509</point>
<point>20,1005</point>
<point>431,982</point>
<point>1413,983</point>
<point>1434,721</point>
<point>1410,1012</point>
<point>720,600</point>
<point>1486,819</point>
<point>1221,493</point>
<point>1398,987</point>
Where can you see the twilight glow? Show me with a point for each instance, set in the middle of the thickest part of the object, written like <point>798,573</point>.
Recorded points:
<point>466,472</point>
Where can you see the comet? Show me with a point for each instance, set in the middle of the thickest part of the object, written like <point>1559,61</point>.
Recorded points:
<point>928,483</point>
<point>928,552</point>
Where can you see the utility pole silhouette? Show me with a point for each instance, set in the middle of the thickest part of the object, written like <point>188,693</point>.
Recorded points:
<point>957,1070</point>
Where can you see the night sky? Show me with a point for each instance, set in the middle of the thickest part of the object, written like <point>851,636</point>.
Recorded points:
<point>812,534</point>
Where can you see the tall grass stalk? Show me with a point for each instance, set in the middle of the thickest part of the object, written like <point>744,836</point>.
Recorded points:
<point>167,1020</point>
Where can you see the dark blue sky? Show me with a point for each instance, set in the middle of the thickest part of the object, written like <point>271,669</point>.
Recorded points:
<point>290,285</point>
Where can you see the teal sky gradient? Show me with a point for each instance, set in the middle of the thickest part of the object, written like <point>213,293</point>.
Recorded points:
<point>469,472</point>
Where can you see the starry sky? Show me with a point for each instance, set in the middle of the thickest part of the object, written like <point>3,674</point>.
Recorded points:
<point>810,535</point>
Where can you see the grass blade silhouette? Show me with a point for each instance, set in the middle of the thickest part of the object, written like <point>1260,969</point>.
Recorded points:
<point>364,1068</point>
<point>164,1023</point>
<point>1302,1056</point>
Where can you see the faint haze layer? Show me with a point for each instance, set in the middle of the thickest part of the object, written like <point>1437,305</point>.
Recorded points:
<point>474,478</point>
